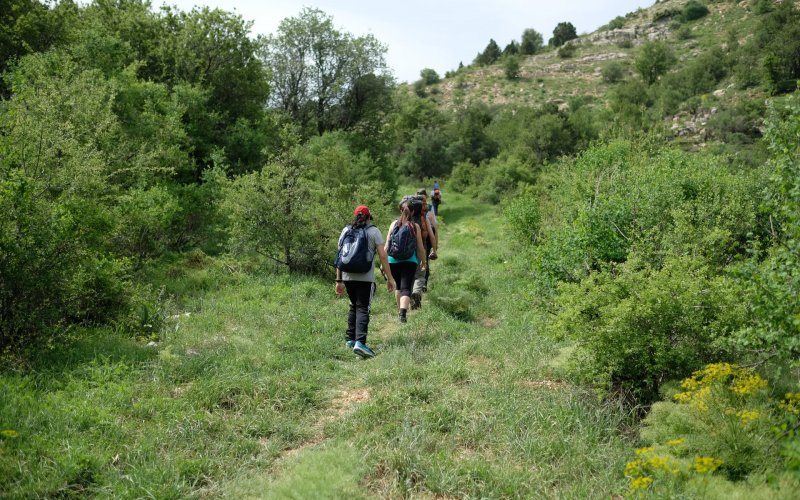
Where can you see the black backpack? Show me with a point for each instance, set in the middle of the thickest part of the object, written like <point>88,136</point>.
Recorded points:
<point>354,255</point>
<point>402,241</point>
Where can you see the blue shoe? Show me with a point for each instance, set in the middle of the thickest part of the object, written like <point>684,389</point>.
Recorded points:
<point>362,350</point>
<point>350,344</point>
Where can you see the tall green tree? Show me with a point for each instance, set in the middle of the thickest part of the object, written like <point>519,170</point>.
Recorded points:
<point>562,33</point>
<point>314,66</point>
<point>532,42</point>
<point>489,55</point>
<point>653,60</point>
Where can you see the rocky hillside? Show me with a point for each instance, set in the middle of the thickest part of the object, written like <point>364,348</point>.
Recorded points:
<point>550,77</point>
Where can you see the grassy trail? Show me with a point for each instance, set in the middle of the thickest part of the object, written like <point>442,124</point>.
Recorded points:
<point>253,394</point>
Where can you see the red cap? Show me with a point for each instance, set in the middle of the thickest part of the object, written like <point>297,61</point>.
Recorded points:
<point>362,209</point>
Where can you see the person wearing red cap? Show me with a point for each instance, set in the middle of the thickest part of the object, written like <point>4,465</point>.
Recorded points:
<point>360,287</point>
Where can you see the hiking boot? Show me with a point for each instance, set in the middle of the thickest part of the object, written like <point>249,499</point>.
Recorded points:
<point>350,344</point>
<point>362,350</point>
<point>403,318</point>
<point>416,300</point>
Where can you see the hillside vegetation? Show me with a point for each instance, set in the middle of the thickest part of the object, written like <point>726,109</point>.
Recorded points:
<point>614,310</point>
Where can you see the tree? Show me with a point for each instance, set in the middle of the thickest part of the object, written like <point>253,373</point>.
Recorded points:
<point>489,55</point>
<point>532,42</point>
<point>511,49</point>
<point>563,33</point>
<point>429,76</point>
<point>654,59</point>
<point>511,66</point>
<point>314,66</point>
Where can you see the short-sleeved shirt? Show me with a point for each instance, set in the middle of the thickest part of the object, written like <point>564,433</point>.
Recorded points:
<point>374,239</point>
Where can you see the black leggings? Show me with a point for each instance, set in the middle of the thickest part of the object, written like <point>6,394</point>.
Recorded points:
<point>360,294</point>
<point>403,274</point>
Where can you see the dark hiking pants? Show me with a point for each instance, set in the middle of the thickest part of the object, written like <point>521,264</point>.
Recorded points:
<point>360,294</point>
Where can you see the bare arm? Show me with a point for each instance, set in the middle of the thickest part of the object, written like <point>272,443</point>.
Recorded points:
<point>386,243</point>
<point>386,268</point>
<point>420,247</point>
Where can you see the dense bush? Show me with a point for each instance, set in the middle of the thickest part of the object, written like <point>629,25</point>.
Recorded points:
<point>562,33</point>
<point>566,51</point>
<point>693,10</point>
<point>511,67</point>
<point>532,42</point>
<point>644,238</point>
<point>613,72</point>
<point>653,60</point>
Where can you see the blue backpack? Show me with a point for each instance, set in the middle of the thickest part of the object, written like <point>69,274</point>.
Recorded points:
<point>402,241</point>
<point>354,255</point>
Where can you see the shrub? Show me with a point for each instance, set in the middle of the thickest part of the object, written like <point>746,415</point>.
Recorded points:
<point>723,419</point>
<point>562,33</point>
<point>653,60</point>
<point>636,326</point>
<point>429,76</point>
<point>511,67</point>
<point>616,23</point>
<point>532,42</point>
<point>693,10</point>
<point>613,72</point>
<point>523,218</point>
<point>567,51</point>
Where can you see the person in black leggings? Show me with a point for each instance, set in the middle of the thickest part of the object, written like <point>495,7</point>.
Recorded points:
<point>404,270</point>
<point>361,286</point>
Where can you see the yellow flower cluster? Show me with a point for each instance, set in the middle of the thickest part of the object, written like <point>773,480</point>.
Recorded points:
<point>747,382</point>
<point>641,483</point>
<point>791,403</point>
<point>748,416</point>
<point>743,382</point>
<point>9,433</point>
<point>704,465</point>
<point>675,442</point>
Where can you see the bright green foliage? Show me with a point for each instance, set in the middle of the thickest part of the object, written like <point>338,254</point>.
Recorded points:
<point>701,76</point>
<point>653,60</point>
<point>693,10</point>
<point>673,222</point>
<point>429,76</point>
<point>532,42</point>
<point>314,66</point>
<point>636,326</point>
<point>294,208</point>
<point>774,284</point>
<point>562,33</point>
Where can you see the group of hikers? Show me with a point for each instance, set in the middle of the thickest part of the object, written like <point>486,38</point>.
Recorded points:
<point>405,255</point>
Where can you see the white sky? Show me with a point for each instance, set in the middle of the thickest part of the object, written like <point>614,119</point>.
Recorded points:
<point>434,33</point>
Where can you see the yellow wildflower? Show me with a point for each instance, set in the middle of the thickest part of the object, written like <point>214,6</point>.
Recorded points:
<point>641,483</point>
<point>747,382</point>
<point>633,469</point>
<point>704,465</point>
<point>675,442</point>
<point>657,463</point>
<point>791,403</point>
<point>640,451</point>
<point>9,433</point>
<point>748,416</point>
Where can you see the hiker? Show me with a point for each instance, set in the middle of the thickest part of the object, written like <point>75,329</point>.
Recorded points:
<point>430,243</point>
<point>436,198</point>
<point>406,254</point>
<point>355,272</point>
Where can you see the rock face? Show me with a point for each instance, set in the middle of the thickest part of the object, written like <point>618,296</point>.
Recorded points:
<point>635,35</point>
<point>692,126</point>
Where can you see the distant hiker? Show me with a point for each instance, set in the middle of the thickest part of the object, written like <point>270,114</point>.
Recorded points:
<point>430,243</point>
<point>355,272</point>
<point>406,253</point>
<point>436,198</point>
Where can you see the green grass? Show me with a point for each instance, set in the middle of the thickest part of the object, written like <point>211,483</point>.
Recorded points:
<point>252,394</point>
